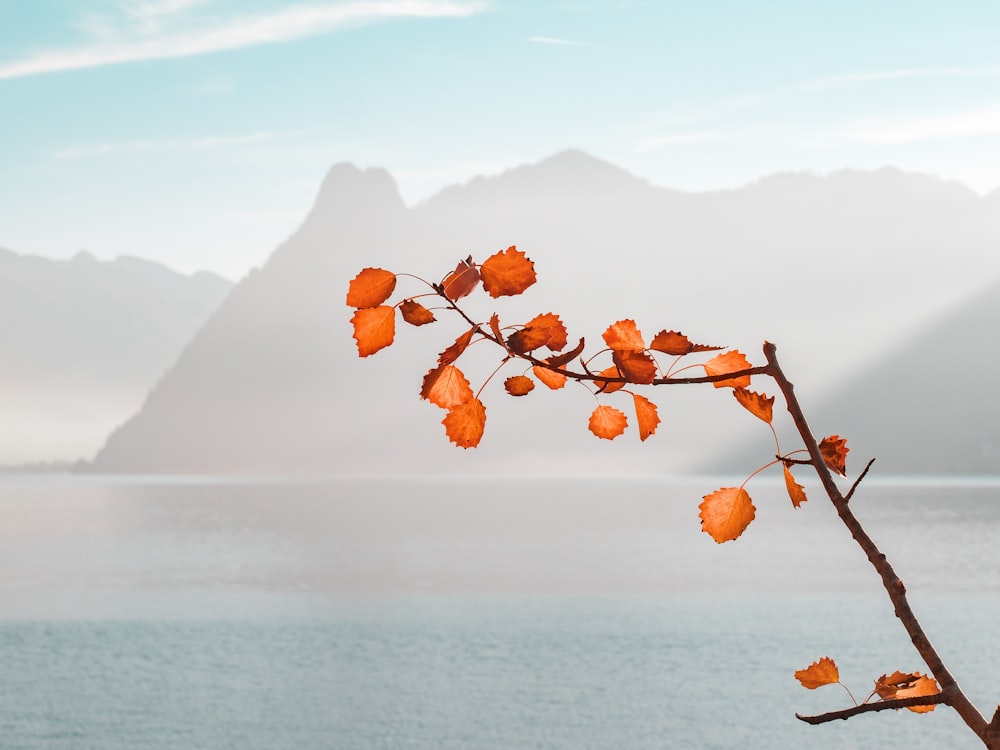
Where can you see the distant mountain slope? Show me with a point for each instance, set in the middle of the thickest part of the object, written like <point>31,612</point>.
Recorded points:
<point>830,268</point>
<point>81,341</point>
<point>931,405</point>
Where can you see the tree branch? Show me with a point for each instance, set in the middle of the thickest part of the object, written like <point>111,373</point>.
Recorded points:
<point>890,581</point>
<point>897,703</point>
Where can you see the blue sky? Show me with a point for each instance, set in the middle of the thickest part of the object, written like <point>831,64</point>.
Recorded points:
<point>196,132</point>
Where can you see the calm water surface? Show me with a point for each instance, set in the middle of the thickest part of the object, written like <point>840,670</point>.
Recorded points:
<point>500,614</point>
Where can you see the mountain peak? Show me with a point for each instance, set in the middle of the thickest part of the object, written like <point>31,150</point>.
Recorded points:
<point>348,191</point>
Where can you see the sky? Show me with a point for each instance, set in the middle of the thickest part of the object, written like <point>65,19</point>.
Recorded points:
<point>196,132</point>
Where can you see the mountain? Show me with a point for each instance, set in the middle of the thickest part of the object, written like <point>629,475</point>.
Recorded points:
<point>81,342</point>
<point>832,268</point>
<point>930,403</point>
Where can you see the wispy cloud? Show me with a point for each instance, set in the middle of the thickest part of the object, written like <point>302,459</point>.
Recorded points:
<point>145,40</point>
<point>554,40</point>
<point>908,130</point>
<point>208,142</point>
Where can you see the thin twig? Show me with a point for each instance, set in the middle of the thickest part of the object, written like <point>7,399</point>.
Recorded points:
<point>847,497</point>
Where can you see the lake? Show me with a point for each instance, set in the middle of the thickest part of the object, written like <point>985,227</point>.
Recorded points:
<point>496,613</point>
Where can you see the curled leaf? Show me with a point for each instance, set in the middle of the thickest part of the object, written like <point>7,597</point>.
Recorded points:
<point>508,272</point>
<point>646,416</point>
<point>834,451</point>
<point>758,404</point>
<point>796,491</point>
<point>370,288</point>
<point>464,424</point>
<point>519,385</point>
<point>607,422</point>
<point>462,281</point>
<point>554,380</point>
<point>495,327</point>
<point>454,351</point>
<point>731,361</point>
<point>562,359</point>
<point>374,328</point>
<point>672,342</point>
<point>907,685</point>
<point>624,336</point>
<point>416,314</point>
<point>638,367</point>
<point>726,513</point>
<point>446,386</point>
<point>819,673</point>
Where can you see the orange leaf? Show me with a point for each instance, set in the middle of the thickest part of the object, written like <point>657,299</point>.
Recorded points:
<point>607,422</point>
<point>554,380</point>
<point>461,281</point>
<point>672,342</point>
<point>454,351</point>
<point>495,327</point>
<point>464,424</point>
<point>507,272</point>
<point>519,385</point>
<point>726,513</point>
<point>646,416</point>
<point>834,451</point>
<point>758,404</point>
<point>795,491</point>
<point>819,673</point>
<point>446,386</point>
<point>603,386</point>
<point>911,685</point>
<point>557,331</point>
<point>623,336</point>
<point>732,361</point>
<point>566,356</point>
<point>416,314</point>
<point>638,367</point>
<point>374,328</point>
<point>370,288</point>
<point>527,339</point>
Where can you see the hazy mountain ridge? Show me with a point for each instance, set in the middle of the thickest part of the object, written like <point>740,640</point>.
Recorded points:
<point>81,342</point>
<point>830,268</point>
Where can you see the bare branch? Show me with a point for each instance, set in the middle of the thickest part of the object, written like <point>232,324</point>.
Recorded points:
<point>847,497</point>
<point>897,703</point>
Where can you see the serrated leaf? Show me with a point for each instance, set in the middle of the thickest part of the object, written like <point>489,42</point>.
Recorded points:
<point>374,328</point>
<point>607,422</point>
<point>726,513</point>
<point>624,336</point>
<point>834,451</point>
<point>796,491</point>
<point>416,314</point>
<point>370,288</point>
<point>819,673</point>
<point>446,386</point>
<point>556,329</point>
<point>464,424</point>
<point>519,385</point>
<point>462,281</point>
<point>553,380</point>
<point>731,361</point>
<point>507,273</point>
<point>646,416</point>
<point>677,344</point>
<point>759,404</point>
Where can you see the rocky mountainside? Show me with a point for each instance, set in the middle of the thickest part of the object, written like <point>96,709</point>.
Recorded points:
<point>834,269</point>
